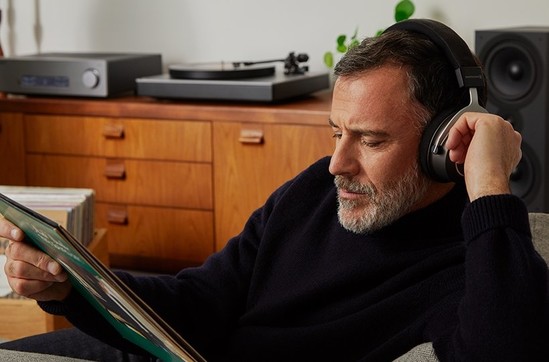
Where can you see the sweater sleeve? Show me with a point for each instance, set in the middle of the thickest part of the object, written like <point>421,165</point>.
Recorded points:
<point>202,303</point>
<point>503,315</point>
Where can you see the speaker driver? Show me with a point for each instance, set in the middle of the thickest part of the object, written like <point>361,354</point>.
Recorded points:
<point>511,70</point>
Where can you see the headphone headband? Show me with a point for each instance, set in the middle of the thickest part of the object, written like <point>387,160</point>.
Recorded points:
<point>468,73</point>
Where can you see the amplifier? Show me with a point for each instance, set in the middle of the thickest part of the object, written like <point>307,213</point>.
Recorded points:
<point>76,74</point>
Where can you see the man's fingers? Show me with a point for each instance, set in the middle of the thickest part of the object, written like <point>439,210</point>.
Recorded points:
<point>22,270</point>
<point>10,231</point>
<point>26,262</point>
<point>29,271</point>
<point>39,289</point>
<point>457,145</point>
<point>27,288</point>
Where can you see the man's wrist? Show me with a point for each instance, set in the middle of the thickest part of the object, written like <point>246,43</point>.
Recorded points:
<point>478,190</point>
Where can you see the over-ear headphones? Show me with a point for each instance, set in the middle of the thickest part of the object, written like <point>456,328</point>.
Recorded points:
<point>433,154</point>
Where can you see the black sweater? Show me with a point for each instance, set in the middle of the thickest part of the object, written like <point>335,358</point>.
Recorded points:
<point>296,286</point>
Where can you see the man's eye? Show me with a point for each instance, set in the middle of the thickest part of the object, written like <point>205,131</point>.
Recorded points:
<point>371,144</point>
<point>337,135</point>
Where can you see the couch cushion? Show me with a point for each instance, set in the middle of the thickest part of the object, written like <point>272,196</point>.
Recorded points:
<point>422,353</point>
<point>11,356</point>
<point>539,224</point>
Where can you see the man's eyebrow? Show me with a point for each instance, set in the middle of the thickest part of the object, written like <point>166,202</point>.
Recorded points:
<point>332,124</point>
<point>363,132</point>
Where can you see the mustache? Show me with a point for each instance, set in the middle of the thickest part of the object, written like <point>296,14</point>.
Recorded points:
<point>354,186</point>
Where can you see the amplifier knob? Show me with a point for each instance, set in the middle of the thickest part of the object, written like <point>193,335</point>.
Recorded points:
<point>90,78</point>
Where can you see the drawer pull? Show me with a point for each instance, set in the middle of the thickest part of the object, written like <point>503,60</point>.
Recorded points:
<point>115,169</point>
<point>117,216</point>
<point>251,136</point>
<point>115,131</point>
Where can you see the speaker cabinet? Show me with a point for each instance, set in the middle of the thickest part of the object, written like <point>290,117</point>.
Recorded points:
<point>516,62</point>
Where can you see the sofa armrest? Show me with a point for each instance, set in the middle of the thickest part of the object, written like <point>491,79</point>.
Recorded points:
<point>539,225</point>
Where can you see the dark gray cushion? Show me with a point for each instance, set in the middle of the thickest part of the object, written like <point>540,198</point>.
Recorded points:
<point>11,356</point>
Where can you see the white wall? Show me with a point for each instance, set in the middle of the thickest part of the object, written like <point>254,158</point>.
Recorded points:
<point>215,30</point>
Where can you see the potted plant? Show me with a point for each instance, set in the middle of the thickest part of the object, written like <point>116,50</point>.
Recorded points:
<point>404,9</point>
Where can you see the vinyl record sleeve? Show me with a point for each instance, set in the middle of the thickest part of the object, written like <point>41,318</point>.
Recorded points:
<point>119,305</point>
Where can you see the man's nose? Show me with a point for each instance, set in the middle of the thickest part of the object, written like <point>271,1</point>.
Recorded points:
<point>344,159</point>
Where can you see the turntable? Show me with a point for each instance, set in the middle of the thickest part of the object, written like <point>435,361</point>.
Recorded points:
<point>242,81</point>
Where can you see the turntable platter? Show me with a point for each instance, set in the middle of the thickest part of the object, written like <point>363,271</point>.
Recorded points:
<point>218,71</point>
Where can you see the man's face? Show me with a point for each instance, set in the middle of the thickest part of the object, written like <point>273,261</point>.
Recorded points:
<point>375,124</point>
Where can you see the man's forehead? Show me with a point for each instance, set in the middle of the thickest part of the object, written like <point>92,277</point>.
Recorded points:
<point>376,101</point>
<point>372,118</point>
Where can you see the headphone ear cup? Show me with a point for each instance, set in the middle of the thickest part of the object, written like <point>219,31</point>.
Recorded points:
<point>427,143</point>
<point>434,157</point>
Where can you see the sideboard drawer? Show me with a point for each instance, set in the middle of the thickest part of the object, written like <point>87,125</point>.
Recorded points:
<point>170,184</point>
<point>171,238</point>
<point>119,137</point>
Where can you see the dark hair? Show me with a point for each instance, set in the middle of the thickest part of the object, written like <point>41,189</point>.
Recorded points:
<point>431,78</point>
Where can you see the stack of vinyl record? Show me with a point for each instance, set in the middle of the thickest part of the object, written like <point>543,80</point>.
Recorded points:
<point>72,208</point>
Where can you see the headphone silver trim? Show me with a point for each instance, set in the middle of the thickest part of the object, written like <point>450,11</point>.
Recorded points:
<point>442,135</point>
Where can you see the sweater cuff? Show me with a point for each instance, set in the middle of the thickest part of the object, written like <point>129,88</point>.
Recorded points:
<point>59,307</point>
<point>53,307</point>
<point>491,212</point>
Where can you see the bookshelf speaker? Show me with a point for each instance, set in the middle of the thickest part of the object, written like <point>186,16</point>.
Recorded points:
<point>516,62</point>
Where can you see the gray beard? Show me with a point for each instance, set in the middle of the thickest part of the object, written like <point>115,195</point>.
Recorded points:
<point>379,209</point>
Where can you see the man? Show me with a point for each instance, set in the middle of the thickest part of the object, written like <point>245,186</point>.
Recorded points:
<point>366,270</point>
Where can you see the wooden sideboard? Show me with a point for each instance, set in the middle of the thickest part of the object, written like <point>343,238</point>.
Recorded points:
<point>174,180</point>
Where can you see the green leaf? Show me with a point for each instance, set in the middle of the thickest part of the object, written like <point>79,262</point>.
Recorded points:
<point>329,59</point>
<point>341,47</point>
<point>404,10</point>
